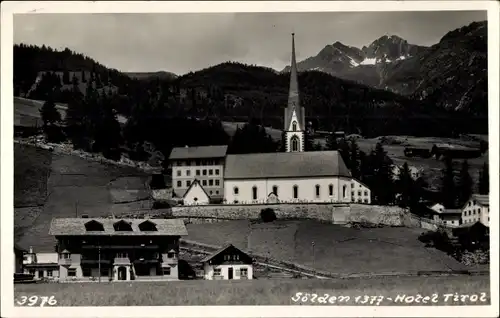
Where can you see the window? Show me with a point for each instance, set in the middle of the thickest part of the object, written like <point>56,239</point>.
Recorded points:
<point>122,226</point>
<point>121,255</point>
<point>237,257</point>
<point>294,126</point>
<point>166,271</point>
<point>359,193</point>
<point>317,191</point>
<point>359,200</point>
<point>179,173</point>
<point>210,182</point>
<point>366,200</point>
<point>204,182</point>
<point>217,183</point>
<point>217,272</point>
<point>204,172</point>
<point>72,272</point>
<point>254,193</point>
<point>197,172</point>
<point>94,226</point>
<point>217,172</point>
<point>188,183</point>
<point>65,256</point>
<point>170,255</point>
<point>210,172</point>
<point>236,190</point>
<point>352,185</point>
<point>344,191</point>
<point>147,226</point>
<point>366,193</point>
<point>330,189</point>
<point>295,143</point>
<point>244,272</point>
<point>179,184</point>
<point>295,192</point>
<point>188,173</point>
<point>211,192</point>
<point>275,190</point>
<point>352,193</point>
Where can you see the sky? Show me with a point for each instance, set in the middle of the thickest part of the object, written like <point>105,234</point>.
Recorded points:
<point>184,42</point>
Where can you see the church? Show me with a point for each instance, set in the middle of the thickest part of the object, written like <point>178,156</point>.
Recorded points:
<point>291,176</point>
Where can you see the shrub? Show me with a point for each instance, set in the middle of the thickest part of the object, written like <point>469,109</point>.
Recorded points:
<point>267,215</point>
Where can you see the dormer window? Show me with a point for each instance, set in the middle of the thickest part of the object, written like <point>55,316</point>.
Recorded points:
<point>147,226</point>
<point>94,226</point>
<point>294,126</point>
<point>122,226</point>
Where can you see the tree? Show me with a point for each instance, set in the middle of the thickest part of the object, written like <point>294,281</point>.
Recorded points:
<point>49,113</point>
<point>405,186</point>
<point>484,180</point>
<point>381,182</point>
<point>354,159</point>
<point>65,78</point>
<point>345,152</point>
<point>464,188</point>
<point>331,142</point>
<point>448,189</point>
<point>84,80</point>
<point>251,138</point>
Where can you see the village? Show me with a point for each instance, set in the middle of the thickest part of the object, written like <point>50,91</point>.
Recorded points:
<point>207,183</point>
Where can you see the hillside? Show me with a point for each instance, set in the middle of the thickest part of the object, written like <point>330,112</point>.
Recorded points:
<point>450,74</point>
<point>151,75</point>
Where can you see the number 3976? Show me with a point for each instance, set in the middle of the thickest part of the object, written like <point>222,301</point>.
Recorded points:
<point>36,301</point>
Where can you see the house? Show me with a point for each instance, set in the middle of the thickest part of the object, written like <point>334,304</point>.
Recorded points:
<point>449,217</point>
<point>477,209</point>
<point>316,176</point>
<point>418,152</point>
<point>196,194</point>
<point>205,163</point>
<point>228,263</point>
<point>117,249</point>
<point>360,192</point>
<point>455,151</point>
<point>415,172</point>
<point>41,265</point>
<point>436,207</point>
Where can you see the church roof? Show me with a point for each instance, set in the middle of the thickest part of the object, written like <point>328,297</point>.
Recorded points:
<point>198,152</point>
<point>293,94</point>
<point>286,165</point>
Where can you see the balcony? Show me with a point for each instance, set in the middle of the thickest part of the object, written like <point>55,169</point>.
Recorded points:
<point>64,261</point>
<point>122,261</point>
<point>121,247</point>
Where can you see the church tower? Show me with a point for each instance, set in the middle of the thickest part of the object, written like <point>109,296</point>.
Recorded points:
<point>294,114</point>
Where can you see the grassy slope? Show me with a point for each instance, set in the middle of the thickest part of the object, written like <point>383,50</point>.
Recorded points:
<point>65,186</point>
<point>256,292</point>
<point>337,249</point>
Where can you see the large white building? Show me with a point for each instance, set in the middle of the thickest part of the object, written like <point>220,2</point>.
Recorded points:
<point>477,209</point>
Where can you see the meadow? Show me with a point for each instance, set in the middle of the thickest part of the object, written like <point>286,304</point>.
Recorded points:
<point>328,247</point>
<point>252,292</point>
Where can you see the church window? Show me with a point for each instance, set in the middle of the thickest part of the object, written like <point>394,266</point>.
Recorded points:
<point>275,190</point>
<point>204,182</point>
<point>236,190</point>
<point>254,193</point>
<point>295,192</point>
<point>317,190</point>
<point>294,126</point>
<point>344,191</point>
<point>330,189</point>
<point>295,143</point>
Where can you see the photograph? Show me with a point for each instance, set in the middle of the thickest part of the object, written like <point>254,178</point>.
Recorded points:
<point>275,156</point>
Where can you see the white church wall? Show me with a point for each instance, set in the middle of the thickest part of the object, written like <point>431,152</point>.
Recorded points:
<point>306,190</point>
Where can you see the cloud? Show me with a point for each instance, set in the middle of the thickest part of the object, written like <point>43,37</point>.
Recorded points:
<point>190,41</point>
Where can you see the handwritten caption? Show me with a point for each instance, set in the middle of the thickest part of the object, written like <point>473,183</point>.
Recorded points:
<point>377,300</point>
<point>35,300</point>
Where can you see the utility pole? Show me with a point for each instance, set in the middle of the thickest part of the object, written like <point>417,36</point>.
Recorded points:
<point>313,253</point>
<point>99,262</point>
<point>76,208</point>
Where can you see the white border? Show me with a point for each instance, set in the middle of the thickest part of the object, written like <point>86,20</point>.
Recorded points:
<point>9,8</point>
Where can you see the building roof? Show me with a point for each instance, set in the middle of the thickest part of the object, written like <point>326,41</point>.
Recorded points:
<point>76,226</point>
<point>198,152</point>
<point>220,250</point>
<point>195,181</point>
<point>451,211</point>
<point>41,265</point>
<point>482,199</point>
<point>285,165</point>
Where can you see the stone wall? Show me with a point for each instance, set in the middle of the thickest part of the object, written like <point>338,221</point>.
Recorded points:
<point>336,213</point>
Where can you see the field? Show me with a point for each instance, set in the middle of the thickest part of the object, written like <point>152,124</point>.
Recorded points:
<point>336,249</point>
<point>255,292</point>
<point>51,185</point>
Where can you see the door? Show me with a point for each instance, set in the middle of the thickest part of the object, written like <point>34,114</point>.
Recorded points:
<point>40,274</point>
<point>230,273</point>
<point>122,273</point>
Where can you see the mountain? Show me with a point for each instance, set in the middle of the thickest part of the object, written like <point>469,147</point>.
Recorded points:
<point>365,65</point>
<point>149,75</point>
<point>451,74</point>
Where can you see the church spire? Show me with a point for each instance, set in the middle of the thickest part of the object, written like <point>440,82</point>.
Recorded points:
<point>293,93</point>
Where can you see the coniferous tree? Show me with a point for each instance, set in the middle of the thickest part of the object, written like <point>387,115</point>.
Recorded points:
<point>345,152</point>
<point>66,80</point>
<point>49,113</point>
<point>84,80</point>
<point>448,188</point>
<point>382,180</point>
<point>405,186</point>
<point>484,180</point>
<point>464,187</point>
<point>331,142</point>
<point>354,159</point>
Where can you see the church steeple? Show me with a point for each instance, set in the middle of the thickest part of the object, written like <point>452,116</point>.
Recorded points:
<point>294,120</point>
